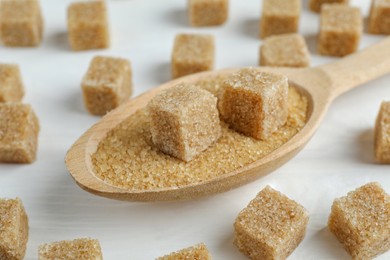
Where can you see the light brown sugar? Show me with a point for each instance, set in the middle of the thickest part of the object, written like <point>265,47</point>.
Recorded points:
<point>361,221</point>
<point>13,229</point>
<point>379,19</point>
<point>197,252</point>
<point>286,50</point>
<point>315,5</point>
<point>107,84</point>
<point>382,134</point>
<point>192,53</point>
<point>11,85</point>
<point>340,30</point>
<point>126,157</point>
<point>184,121</point>
<point>19,128</point>
<point>88,25</point>
<point>82,248</point>
<point>208,12</point>
<point>21,23</point>
<point>254,103</point>
<point>279,17</point>
<point>271,226</point>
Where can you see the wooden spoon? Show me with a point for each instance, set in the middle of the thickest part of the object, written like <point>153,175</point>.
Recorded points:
<point>321,85</point>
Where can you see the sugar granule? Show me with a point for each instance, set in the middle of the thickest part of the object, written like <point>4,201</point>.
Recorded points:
<point>126,158</point>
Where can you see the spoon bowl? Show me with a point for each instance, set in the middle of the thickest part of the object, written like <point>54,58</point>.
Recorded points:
<point>320,85</point>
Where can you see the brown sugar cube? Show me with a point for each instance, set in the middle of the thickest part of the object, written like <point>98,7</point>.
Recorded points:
<point>279,17</point>
<point>340,30</point>
<point>107,84</point>
<point>13,229</point>
<point>382,134</point>
<point>361,221</point>
<point>88,25</point>
<point>19,129</point>
<point>83,248</point>
<point>11,86</point>
<point>208,12</point>
<point>254,103</point>
<point>184,121</point>
<point>287,50</point>
<point>271,226</point>
<point>197,252</point>
<point>21,23</point>
<point>379,19</point>
<point>315,5</point>
<point>192,53</point>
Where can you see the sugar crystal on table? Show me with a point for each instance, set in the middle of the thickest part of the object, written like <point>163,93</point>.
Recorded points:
<point>254,103</point>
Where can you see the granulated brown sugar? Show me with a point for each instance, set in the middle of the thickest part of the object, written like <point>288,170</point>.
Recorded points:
<point>198,252</point>
<point>127,159</point>
<point>341,28</point>
<point>361,221</point>
<point>88,25</point>
<point>279,17</point>
<point>382,134</point>
<point>207,12</point>
<point>13,229</point>
<point>192,53</point>
<point>378,21</point>
<point>254,103</point>
<point>19,129</point>
<point>82,248</point>
<point>21,23</point>
<point>286,50</point>
<point>271,226</point>
<point>184,121</point>
<point>315,5</point>
<point>11,85</point>
<point>107,84</point>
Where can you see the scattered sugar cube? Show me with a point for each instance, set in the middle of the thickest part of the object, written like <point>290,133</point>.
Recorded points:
<point>83,248</point>
<point>340,30</point>
<point>107,84</point>
<point>279,17</point>
<point>315,5</point>
<point>287,50</point>
<point>271,226</point>
<point>382,134</point>
<point>88,25</point>
<point>379,19</point>
<point>254,103</point>
<point>21,23</point>
<point>192,53</point>
<point>19,129</point>
<point>184,121</point>
<point>361,221</point>
<point>13,229</point>
<point>197,252</point>
<point>11,85</point>
<point>208,12</point>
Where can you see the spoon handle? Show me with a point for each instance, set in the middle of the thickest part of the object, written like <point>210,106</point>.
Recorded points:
<point>361,67</point>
